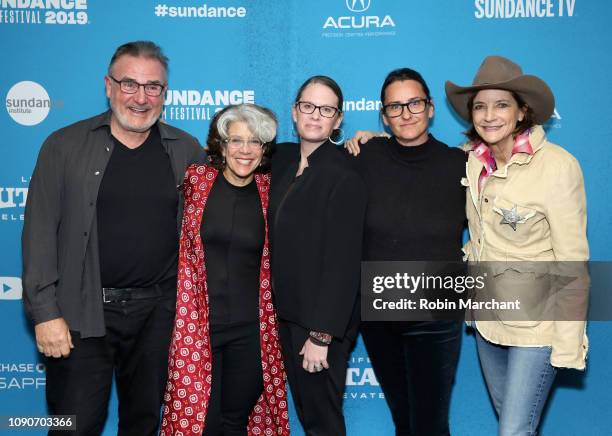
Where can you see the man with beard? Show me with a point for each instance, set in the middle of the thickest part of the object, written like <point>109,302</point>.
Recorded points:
<point>100,244</point>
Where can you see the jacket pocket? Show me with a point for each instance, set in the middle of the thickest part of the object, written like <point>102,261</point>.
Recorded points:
<point>530,287</point>
<point>515,222</point>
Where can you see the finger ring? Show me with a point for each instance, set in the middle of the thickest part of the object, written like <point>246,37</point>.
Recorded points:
<point>318,367</point>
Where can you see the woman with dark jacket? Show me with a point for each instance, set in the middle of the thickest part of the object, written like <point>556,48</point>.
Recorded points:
<point>317,204</point>
<point>226,373</point>
<point>416,212</point>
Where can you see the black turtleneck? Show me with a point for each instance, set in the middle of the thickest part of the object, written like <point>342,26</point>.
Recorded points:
<point>233,235</point>
<point>416,204</point>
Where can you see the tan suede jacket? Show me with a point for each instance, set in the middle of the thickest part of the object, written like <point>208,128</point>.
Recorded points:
<point>547,189</point>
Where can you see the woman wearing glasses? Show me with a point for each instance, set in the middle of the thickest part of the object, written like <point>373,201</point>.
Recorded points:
<point>317,204</point>
<point>415,213</point>
<point>225,368</point>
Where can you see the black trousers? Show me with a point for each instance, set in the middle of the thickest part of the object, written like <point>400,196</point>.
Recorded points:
<point>317,396</point>
<point>237,378</point>
<point>135,348</point>
<point>415,364</point>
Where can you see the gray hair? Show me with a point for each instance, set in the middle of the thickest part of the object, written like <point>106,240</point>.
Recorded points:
<point>260,121</point>
<point>143,49</point>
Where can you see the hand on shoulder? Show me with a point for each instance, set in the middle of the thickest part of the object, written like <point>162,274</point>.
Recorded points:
<point>353,145</point>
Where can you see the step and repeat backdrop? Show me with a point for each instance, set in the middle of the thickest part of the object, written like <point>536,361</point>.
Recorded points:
<point>55,54</point>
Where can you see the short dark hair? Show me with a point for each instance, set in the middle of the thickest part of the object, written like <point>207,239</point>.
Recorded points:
<point>402,74</point>
<point>144,49</point>
<point>261,122</point>
<point>322,80</point>
<point>526,123</point>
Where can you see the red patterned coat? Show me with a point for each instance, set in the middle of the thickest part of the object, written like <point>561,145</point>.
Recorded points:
<point>189,374</point>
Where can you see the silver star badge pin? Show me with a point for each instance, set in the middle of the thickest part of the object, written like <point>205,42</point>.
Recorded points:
<point>511,217</point>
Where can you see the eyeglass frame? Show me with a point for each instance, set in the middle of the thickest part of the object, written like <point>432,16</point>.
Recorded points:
<point>299,103</point>
<point>144,86</point>
<point>406,105</point>
<point>243,142</point>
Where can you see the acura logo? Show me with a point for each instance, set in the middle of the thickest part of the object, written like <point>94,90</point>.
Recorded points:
<point>358,5</point>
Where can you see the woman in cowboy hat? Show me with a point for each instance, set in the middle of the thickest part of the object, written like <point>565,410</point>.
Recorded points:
<point>525,202</point>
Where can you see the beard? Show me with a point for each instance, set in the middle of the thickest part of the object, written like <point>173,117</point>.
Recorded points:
<point>138,125</point>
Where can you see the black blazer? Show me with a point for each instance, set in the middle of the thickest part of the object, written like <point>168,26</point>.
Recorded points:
<point>316,230</point>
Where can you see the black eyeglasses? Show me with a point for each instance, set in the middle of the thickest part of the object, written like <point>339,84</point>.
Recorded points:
<point>130,86</point>
<point>416,106</point>
<point>307,108</point>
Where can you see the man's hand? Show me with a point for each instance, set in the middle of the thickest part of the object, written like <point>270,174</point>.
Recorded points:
<point>315,357</point>
<point>53,338</point>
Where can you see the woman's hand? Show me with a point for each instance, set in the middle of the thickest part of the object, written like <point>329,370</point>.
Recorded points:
<point>315,357</point>
<point>353,145</point>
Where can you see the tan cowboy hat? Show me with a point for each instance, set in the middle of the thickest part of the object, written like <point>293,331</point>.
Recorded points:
<point>497,72</point>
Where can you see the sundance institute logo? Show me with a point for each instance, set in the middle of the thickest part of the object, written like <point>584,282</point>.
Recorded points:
<point>28,103</point>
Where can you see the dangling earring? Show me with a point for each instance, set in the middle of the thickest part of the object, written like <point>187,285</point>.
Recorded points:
<point>222,150</point>
<point>340,133</point>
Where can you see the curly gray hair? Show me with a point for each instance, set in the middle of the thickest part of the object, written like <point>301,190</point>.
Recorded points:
<point>260,121</point>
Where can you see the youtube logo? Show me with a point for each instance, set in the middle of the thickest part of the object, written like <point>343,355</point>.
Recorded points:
<point>10,288</point>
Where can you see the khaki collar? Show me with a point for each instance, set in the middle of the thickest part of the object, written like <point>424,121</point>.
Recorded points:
<point>474,166</point>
